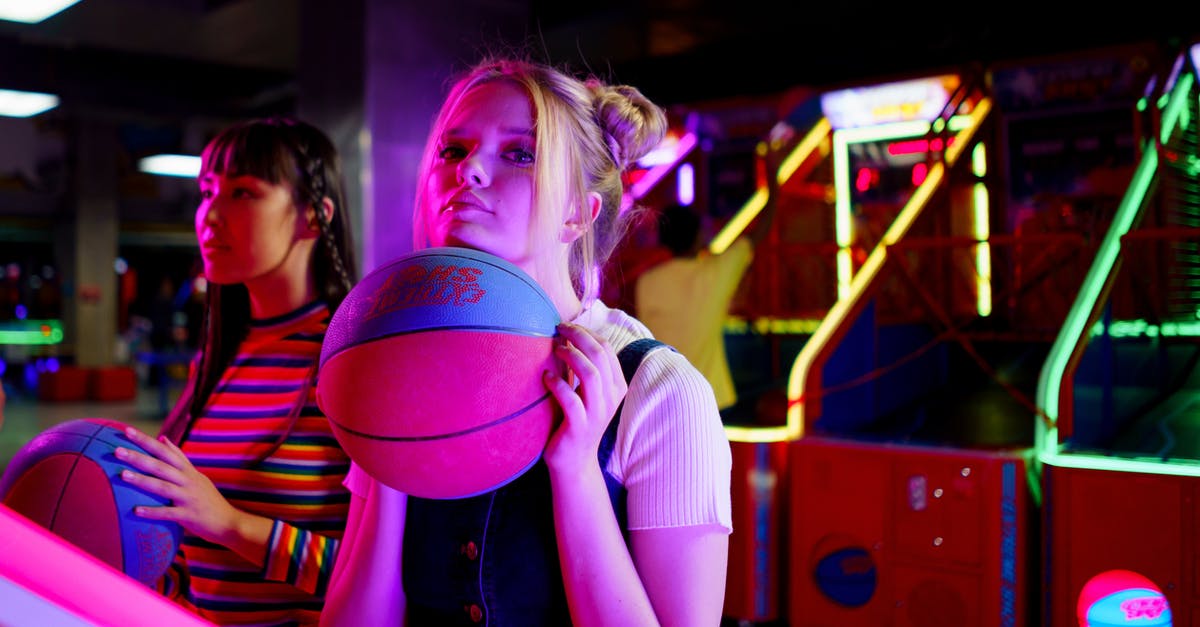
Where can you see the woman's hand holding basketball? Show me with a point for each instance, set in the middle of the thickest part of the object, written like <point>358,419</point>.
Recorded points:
<point>197,505</point>
<point>589,407</point>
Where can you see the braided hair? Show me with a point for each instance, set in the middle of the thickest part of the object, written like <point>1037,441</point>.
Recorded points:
<point>279,150</point>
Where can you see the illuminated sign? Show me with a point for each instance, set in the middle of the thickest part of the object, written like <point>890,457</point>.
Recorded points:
<point>31,332</point>
<point>904,101</point>
<point>1141,328</point>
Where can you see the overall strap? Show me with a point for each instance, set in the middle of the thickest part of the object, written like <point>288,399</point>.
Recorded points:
<point>630,358</point>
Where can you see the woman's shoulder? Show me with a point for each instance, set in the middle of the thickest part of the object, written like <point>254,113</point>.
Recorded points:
<point>617,327</point>
<point>660,366</point>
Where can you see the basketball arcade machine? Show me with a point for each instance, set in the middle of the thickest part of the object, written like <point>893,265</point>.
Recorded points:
<point>892,519</point>
<point>1117,444</point>
<point>897,119</point>
<point>671,175</point>
<point>756,575</point>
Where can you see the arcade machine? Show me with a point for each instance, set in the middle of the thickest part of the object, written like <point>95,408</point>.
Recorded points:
<point>757,570</point>
<point>1118,439</point>
<point>913,492</point>
<point>866,143</point>
<point>908,499</point>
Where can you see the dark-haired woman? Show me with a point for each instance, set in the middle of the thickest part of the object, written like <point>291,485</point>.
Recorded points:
<point>250,464</point>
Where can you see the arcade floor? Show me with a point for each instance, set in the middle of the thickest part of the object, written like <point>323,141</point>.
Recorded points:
<point>25,416</point>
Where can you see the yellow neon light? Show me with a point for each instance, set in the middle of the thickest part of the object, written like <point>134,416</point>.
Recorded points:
<point>842,220</point>
<point>787,168</point>
<point>841,309</point>
<point>841,190</point>
<point>803,149</point>
<point>845,271</point>
<point>983,252</point>
<point>983,279</point>
<point>739,222</point>
<point>979,160</point>
<point>758,434</point>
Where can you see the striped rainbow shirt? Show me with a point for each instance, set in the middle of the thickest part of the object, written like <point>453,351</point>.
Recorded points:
<point>299,486</point>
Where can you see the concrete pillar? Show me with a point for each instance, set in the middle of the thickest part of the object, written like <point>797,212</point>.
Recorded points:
<point>86,245</point>
<point>397,58</point>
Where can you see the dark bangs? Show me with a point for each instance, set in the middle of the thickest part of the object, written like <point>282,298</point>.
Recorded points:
<point>257,150</point>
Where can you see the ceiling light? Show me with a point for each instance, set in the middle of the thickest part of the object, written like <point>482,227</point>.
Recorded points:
<point>31,11</point>
<point>23,104</point>
<point>171,165</point>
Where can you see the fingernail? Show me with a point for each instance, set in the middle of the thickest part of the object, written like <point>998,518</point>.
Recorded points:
<point>126,475</point>
<point>120,452</point>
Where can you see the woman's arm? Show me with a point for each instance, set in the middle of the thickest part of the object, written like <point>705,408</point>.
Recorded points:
<point>682,466</point>
<point>366,588</point>
<point>196,504</point>
<point>602,585</point>
<point>286,552</point>
<point>683,570</point>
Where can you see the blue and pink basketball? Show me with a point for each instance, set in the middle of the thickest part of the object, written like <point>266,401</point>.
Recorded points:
<point>1122,598</point>
<point>67,479</point>
<point>431,373</point>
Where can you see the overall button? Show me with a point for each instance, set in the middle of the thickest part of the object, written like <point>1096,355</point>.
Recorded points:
<point>470,550</point>
<point>475,612</point>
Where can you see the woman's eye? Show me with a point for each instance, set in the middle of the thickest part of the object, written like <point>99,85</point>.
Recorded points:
<point>206,194</point>
<point>520,156</point>
<point>451,153</point>
<point>241,192</point>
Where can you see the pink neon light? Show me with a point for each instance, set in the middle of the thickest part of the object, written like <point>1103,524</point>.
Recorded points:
<point>862,180</point>
<point>915,146</point>
<point>919,172</point>
<point>651,178</point>
<point>53,569</point>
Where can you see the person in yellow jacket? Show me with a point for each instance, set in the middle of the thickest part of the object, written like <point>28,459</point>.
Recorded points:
<point>685,299</point>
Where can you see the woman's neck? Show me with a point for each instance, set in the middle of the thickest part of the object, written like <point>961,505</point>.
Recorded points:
<point>287,287</point>
<point>565,300</point>
<point>272,299</point>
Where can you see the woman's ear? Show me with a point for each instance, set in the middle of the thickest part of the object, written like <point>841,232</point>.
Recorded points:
<point>575,227</point>
<point>310,215</point>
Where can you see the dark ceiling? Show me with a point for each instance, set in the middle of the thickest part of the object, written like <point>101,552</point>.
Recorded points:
<point>691,50</point>
<point>166,72</point>
<point>237,57</point>
<point>158,57</point>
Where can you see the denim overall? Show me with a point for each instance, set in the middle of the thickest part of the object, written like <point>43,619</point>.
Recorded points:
<point>492,559</point>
